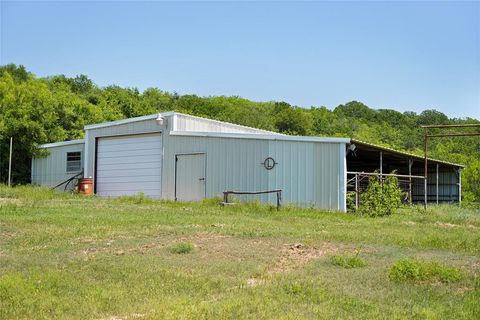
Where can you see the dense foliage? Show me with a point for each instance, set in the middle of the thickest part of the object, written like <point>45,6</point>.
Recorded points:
<point>381,198</point>
<point>39,110</point>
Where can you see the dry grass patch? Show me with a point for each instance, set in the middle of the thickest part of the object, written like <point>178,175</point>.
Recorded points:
<point>293,257</point>
<point>10,201</point>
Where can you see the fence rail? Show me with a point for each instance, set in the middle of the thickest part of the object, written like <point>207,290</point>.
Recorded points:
<point>277,191</point>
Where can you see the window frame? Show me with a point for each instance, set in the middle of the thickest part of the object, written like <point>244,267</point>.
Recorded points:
<point>69,153</point>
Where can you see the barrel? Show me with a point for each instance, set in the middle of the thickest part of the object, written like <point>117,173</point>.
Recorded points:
<point>85,185</point>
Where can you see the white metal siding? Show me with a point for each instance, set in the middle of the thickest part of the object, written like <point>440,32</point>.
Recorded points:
<point>52,170</point>
<point>128,165</point>
<point>310,173</point>
<point>232,164</point>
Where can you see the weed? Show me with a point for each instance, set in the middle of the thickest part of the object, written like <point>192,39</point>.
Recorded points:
<point>412,270</point>
<point>182,248</point>
<point>293,288</point>
<point>347,261</point>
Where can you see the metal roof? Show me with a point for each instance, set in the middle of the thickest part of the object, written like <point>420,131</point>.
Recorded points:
<point>61,143</point>
<point>403,153</point>
<point>260,136</point>
<point>129,120</point>
<point>173,114</point>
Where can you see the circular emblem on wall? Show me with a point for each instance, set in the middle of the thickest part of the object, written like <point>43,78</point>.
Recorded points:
<point>269,163</point>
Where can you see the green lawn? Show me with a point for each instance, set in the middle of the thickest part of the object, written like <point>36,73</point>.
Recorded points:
<point>65,256</point>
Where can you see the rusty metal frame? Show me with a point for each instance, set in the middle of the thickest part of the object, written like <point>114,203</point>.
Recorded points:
<point>277,191</point>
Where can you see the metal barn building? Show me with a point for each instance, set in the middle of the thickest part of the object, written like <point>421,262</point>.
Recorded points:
<point>186,158</point>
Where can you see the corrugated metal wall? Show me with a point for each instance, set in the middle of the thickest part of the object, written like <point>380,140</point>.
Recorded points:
<point>310,173</point>
<point>448,187</point>
<point>52,170</point>
<point>232,164</point>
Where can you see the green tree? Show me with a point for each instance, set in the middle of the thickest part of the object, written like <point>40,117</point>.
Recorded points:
<point>294,121</point>
<point>40,110</point>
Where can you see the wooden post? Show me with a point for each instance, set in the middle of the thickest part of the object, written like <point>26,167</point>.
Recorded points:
<point>10,164</point>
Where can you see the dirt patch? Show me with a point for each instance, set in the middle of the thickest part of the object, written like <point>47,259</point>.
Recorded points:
<point>293,257</point>
<point>446,225</point>
<point>409,223</point>
<point>253,282</point>
<point>7,234</point>
<point>463,290</point>
<point>9,201</point>
<point>132,316</point>
<point>452,226</point>
<point>217,225</point>
<point>199,240</point>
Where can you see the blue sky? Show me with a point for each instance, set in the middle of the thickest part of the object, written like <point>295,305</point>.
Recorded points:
<point>400,55</point>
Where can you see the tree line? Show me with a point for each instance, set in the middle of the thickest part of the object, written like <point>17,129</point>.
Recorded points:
<point>37,110</point>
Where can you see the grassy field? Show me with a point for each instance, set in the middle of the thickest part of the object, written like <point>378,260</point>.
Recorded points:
<point>64,256</point>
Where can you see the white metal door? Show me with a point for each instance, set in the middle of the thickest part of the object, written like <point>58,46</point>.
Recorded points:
<point>190,177</point>
<point>128,165</point>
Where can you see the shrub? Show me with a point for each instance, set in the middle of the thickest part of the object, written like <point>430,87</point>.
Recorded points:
<point>351,201</point>
<point>412,270</point>
<point>182,248</point>
<point>381,199</point>
<point>348,261</point>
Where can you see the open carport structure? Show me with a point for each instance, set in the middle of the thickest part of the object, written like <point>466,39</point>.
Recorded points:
<point>444,183</point>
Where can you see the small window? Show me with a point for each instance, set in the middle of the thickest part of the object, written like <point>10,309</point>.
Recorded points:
<point>74,161</point>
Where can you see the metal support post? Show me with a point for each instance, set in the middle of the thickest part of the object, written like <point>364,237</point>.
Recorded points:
<point>356,191</point>
<point>459,187</point>
<point>437,184</point>
<point>410,164</point>
<point>425,171</point>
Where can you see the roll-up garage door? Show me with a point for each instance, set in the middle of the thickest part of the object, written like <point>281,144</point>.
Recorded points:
<point>128,165</point>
